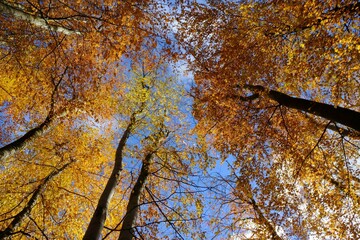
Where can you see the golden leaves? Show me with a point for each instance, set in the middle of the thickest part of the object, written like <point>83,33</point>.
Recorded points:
<point>292,165</point>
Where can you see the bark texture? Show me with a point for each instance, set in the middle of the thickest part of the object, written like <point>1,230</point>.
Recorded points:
<point>43,22</point>
<point>96,225</point>
<point>347,117</point>
<point>21,143</point>
<point>263,220</point>
<point>127,232</point>
<point>18,218</point>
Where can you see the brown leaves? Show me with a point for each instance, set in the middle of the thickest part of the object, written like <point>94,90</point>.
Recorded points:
<point>290,171</point>
<point>293,48</point>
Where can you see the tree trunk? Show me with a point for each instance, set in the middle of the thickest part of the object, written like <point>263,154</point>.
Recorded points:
<point>96,225</point>
<point>347,117</point>
<point>263,220</point>
<point>127,232</point>
<point>20,13</point>
<point>20,143</point>
<point>31,203</point>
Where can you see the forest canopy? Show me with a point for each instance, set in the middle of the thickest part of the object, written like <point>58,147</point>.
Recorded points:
<point>179,119</point>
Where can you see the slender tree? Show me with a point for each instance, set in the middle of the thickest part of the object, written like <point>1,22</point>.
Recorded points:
<point>97,221</point>
<point>132,208</point>
<point>19,217</point>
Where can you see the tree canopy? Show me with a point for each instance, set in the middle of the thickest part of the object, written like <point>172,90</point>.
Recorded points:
<point>180,119</point>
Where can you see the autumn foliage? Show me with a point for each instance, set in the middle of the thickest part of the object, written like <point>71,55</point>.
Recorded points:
<point>105,135</point>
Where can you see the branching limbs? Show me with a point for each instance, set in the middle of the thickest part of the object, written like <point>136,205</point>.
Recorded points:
<point>40,21</point>
<point>98,219</point>
<point>20,143</point>
<point>347,117</point>
<point>18,218</point>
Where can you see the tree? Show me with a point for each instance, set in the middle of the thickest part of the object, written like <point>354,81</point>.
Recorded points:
<point>97,139</point>
<point>61,54</point>
<point>60,66</point>
<point>276,88</point>
<point>20,143</point>
<point>152,102</point>
<point>44,204</point>
<point>132,208</point>
<point>18,218</point>
<point>97,221</point>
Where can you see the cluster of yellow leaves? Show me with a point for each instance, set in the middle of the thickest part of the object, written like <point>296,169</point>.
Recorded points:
<point>61,57</point>
<point>46,69</point>
<point>67,202</point>
<point>155,98</point>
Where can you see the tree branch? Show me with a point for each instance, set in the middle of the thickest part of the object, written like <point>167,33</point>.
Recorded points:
<point>41,22</point>
<point>18,218</point>
<point>164,215</point>
<point>20,143</point>
<point>347,117</point>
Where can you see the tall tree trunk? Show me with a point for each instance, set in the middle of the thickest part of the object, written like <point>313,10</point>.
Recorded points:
<point>20,143</point>
<point>43,22</point>
<point>96,225</point>
<point>18,218</point>
<point>127,232</point>
<point>265,221</point>
<point>347,117</point>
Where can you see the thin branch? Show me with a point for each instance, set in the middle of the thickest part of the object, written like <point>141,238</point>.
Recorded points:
<point>346,165</point>
<point>41,22</point>
<point>38,227</point>
<point>12,209</point>
<point>334,127</point>
<point>77,194</point>
<point>311,151</point>
<point>21,142</point>
<point>6,91</point>
<point>164,215</point>
<point>18,218</point>
<point>283,118</point>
